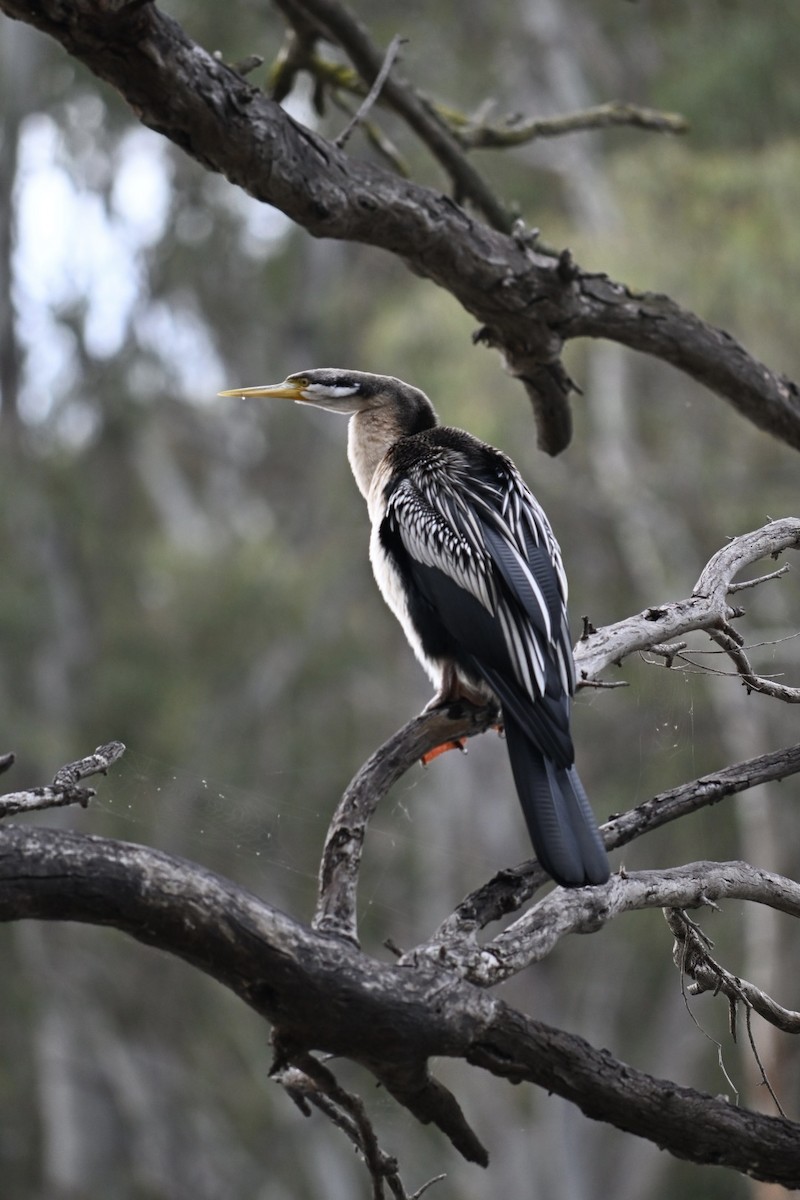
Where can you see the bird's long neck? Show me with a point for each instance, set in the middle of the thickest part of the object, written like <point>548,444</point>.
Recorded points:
<point>371,434</point>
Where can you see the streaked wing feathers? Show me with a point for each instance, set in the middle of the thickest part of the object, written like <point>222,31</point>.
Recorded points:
<point>487,534</point>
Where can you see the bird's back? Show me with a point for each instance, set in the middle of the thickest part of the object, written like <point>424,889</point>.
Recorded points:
<point>485,589</point>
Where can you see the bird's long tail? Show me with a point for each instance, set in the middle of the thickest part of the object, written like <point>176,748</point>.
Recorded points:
<point>557,812</point>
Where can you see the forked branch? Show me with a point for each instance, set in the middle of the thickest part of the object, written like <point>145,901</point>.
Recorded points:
<point>527,302</point>
<point>692,956</point>
<point>707,608</point>
<point>510,889</point>
<point>325,994</point>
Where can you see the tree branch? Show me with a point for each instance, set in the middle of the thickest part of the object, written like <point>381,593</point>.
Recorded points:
<point>345,30</point>
<point>706,608</point>
<point>64,789</point>
<point>692,956</point>
<point>341,855</point>
<point>585,910</point>
<point>325,994</point>
<point>517,131</point>
<point>510,889</point>
<point>527,302</point>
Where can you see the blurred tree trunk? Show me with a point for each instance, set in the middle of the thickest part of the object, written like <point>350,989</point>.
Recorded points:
<point>18,55</point>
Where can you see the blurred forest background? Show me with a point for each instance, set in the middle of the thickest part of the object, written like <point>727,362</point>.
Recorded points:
<point>190,575</point>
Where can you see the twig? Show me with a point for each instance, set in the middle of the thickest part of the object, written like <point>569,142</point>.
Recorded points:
<point>342,28</point>
<point>373,93</point>
<point>516,132</point>
<point>307,1080</point>
<point>691,953</point>
<point>64,789</point>
<point>752,681</point>
<point>757,1057</point>
<point>749,583</point>
<point>423,1189</point>
<point>378,140</point>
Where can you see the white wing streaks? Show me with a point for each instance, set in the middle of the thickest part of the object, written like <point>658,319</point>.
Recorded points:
<point>442,511</point>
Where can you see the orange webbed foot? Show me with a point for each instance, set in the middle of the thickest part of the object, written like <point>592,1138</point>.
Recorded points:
<point>455,744</point>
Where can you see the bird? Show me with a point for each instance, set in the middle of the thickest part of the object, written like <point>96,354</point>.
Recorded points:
<point>465,558</point>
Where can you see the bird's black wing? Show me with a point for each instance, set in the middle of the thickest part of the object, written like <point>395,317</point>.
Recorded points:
<point>484,568</point>
<point>480,552</point>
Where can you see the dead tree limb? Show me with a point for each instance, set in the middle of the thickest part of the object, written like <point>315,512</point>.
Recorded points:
<point>325,994</point>
<point>65,789</point>
<point>528,303</point>
<point>510,889</point>
<point>707,608</point>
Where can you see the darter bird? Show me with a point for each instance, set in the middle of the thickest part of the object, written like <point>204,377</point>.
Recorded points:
<point>466,560</point>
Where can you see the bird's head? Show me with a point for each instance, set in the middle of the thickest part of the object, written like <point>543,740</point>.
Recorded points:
<point>349,392</point>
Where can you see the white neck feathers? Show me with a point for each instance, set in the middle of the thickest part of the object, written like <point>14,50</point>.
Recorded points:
<point>370,435</point>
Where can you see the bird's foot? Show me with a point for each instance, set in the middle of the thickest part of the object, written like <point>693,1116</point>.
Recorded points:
<point>455,691</point>
<point>455,744</point>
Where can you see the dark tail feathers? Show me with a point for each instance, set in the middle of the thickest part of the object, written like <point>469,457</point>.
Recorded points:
<point>557,812</point>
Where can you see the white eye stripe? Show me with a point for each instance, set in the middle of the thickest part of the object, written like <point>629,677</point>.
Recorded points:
<point>322,389</point>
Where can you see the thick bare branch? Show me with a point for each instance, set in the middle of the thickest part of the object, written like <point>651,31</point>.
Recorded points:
<point>528,303</point>
<point>323,993</point>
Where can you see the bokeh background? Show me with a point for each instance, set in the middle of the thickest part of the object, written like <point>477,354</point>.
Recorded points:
<point>190,575</point>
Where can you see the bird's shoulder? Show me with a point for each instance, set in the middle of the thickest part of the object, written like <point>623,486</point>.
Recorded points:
<point>447,452</point>
<point>445,465</point>
<point>447,485</point>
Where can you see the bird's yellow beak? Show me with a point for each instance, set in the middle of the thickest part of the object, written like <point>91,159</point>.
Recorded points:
<point>288,390</point>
